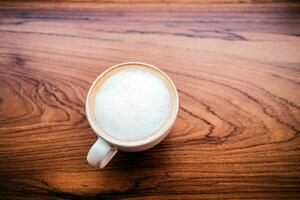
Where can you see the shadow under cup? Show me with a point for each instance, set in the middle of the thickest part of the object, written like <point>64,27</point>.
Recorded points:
<point>132,145</point>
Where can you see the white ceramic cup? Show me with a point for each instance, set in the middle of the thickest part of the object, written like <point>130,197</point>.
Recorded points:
<point>106,146</point>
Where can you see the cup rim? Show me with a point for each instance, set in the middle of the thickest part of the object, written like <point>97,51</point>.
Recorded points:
<point>114,141</point>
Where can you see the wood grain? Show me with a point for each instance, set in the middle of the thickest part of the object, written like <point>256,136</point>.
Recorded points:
<point>237,70</point>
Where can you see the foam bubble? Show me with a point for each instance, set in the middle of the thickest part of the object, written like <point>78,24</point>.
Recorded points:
<point>132,104</point>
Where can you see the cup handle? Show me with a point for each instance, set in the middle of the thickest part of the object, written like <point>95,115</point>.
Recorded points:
<point>101,153</point>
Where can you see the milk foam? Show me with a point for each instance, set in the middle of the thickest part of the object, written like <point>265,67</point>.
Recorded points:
<point>132,104</point>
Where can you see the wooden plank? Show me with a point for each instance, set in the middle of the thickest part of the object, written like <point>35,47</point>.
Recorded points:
<point>237,70</point>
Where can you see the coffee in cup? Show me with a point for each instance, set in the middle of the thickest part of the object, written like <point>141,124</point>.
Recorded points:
<point>131,107</point>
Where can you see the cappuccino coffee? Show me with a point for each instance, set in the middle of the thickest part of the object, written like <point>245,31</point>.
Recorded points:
<point>131,107</point>
<point>132,103</point>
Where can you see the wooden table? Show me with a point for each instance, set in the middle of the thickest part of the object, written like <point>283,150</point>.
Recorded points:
<point>237,69</point>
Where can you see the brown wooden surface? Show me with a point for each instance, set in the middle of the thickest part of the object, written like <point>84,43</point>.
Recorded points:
<point>237,69</point>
